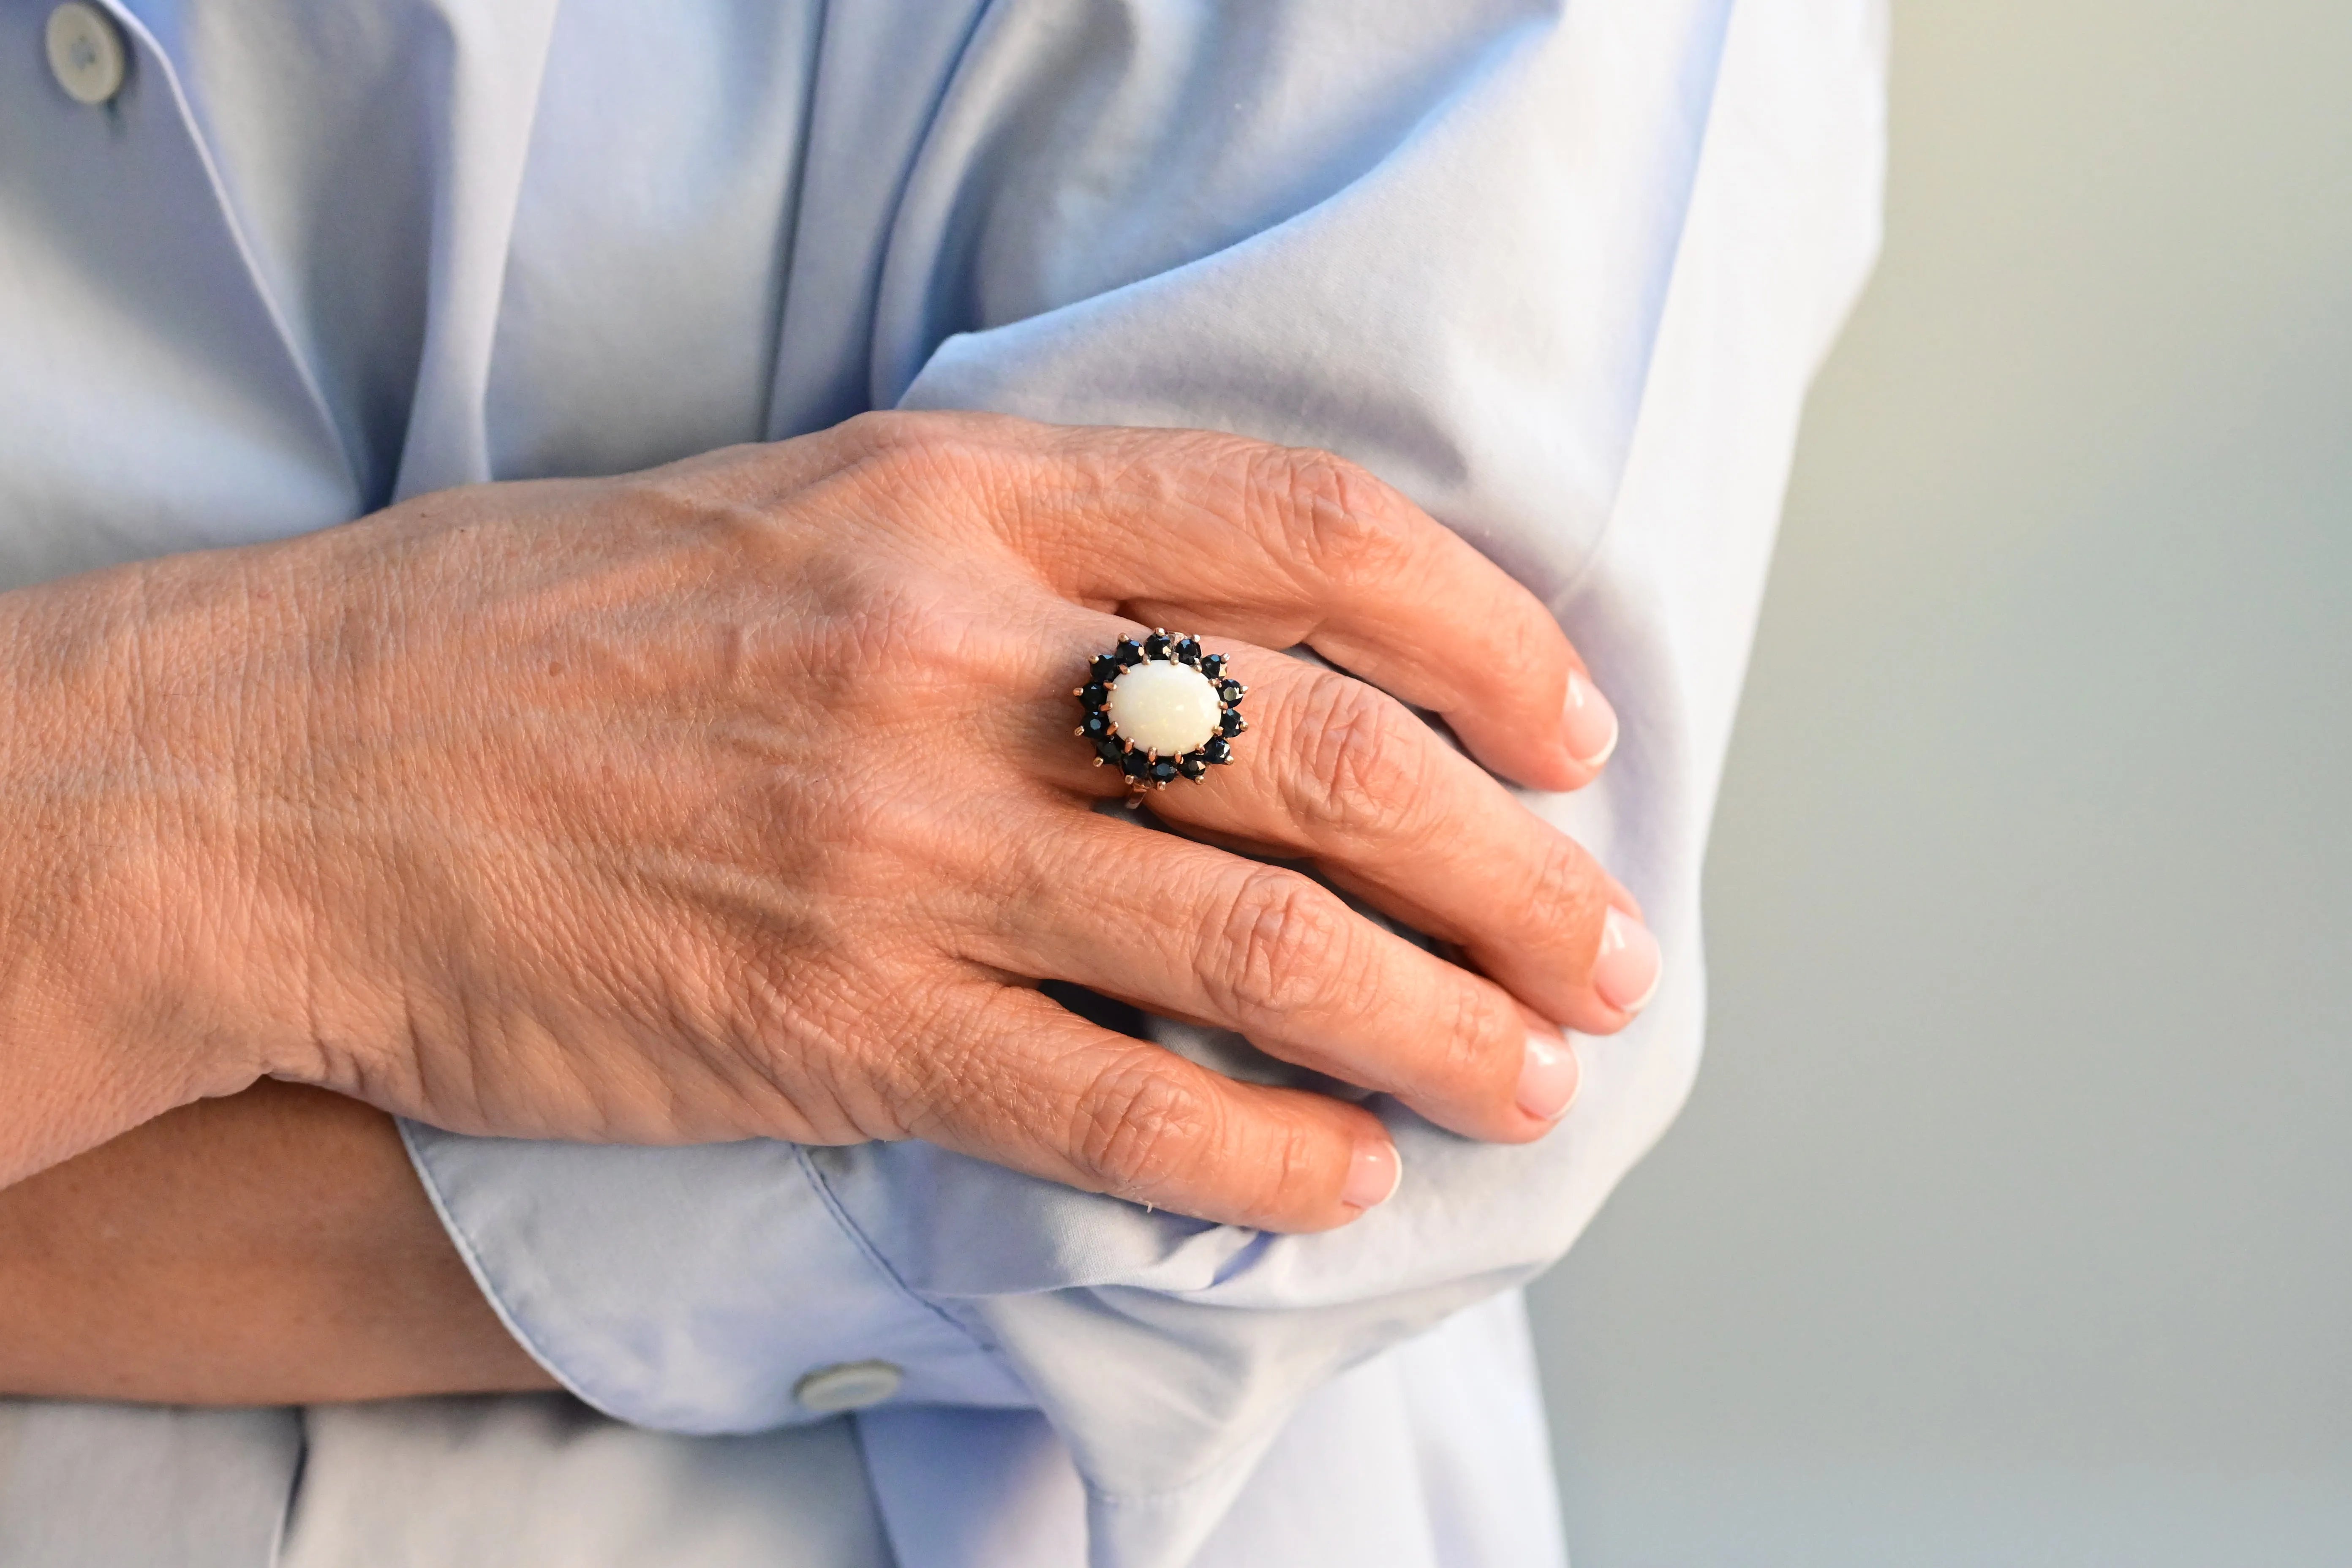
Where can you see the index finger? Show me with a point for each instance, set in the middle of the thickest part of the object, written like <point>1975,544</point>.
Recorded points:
<point>1286,545</point>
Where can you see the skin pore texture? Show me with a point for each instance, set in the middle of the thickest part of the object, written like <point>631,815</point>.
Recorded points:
<point>739,798</point>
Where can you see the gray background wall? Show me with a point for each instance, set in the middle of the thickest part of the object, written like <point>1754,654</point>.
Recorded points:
<point>2012,1222</point>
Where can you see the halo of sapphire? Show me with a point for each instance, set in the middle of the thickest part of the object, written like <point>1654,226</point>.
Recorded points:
<point>1179,714</point>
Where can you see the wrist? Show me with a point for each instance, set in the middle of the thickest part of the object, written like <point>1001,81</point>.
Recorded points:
<point>100,878</point>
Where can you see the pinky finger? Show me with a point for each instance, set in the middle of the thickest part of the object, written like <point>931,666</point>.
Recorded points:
<point>1039,1089</point>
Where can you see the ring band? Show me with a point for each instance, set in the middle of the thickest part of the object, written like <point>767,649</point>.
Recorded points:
<point>1159,709</point>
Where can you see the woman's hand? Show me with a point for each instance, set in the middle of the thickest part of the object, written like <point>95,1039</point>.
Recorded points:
<point>739,798</point>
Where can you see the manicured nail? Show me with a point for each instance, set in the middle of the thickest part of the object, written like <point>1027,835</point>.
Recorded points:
<point>1589,725</point>
<point>1549,1077</point>
<point>1626,974</point>
<point>1372,1174</point>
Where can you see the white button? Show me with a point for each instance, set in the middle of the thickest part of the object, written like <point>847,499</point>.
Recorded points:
<point>852,1385</point>
<point>86,52</point>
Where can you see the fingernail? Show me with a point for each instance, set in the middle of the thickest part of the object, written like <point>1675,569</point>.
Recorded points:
<point>1589,725</point>
<point>1626,974</point>
<point>1549,1078</point>
<point>1372,1174</point>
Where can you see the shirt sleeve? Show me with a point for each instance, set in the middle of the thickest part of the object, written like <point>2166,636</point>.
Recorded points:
<point>1561,273</point>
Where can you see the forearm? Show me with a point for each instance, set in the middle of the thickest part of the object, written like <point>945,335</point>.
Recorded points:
<point>267,1248</point>
<point>273,1248</point>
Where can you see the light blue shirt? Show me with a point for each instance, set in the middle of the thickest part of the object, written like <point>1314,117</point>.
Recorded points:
<point>1559,272</point>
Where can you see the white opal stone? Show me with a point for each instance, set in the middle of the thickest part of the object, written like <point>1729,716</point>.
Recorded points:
<point>1170,708</point>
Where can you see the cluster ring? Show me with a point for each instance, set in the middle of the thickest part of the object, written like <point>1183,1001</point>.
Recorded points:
<point>1160,709</point>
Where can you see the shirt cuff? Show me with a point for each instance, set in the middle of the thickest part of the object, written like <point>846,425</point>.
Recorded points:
<point>691,1289</point>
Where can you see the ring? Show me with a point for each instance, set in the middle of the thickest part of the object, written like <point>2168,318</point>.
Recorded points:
<point>1160,710</point>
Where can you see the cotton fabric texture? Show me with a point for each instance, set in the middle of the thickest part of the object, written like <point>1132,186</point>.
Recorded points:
<point>1559,271</point>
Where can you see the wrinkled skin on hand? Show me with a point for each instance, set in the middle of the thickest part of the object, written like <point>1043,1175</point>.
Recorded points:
<point>739,798</point>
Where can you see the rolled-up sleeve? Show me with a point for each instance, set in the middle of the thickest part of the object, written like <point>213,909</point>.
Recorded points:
<point>1562,274</point>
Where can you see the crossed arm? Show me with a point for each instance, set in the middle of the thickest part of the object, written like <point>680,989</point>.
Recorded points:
<point>681,872</point>
<point>270,1247</point>
<point>123,1285</point>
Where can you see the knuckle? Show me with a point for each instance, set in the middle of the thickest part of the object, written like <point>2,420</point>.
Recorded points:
<point>1330,515</point>
<point>982,481</point>
<point>951,1082</point>
<point>1291,1164</point>
<point>1364,762</point>
<point>1524,640</point>
<point>880,637</point>
<point>779,1038</point>
<point>947,1079</point>
<point>1282,948</point>
<point>870,434</point>
<point>910,631</point>
<point>666,496</point>
<point>928,470</point>
<point>1140,1126</point>
<point>1023,872</point>
<point>1478,1044</point>
<point>1565,893</point>
<point>885,431</point>
<point>913,473</point>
